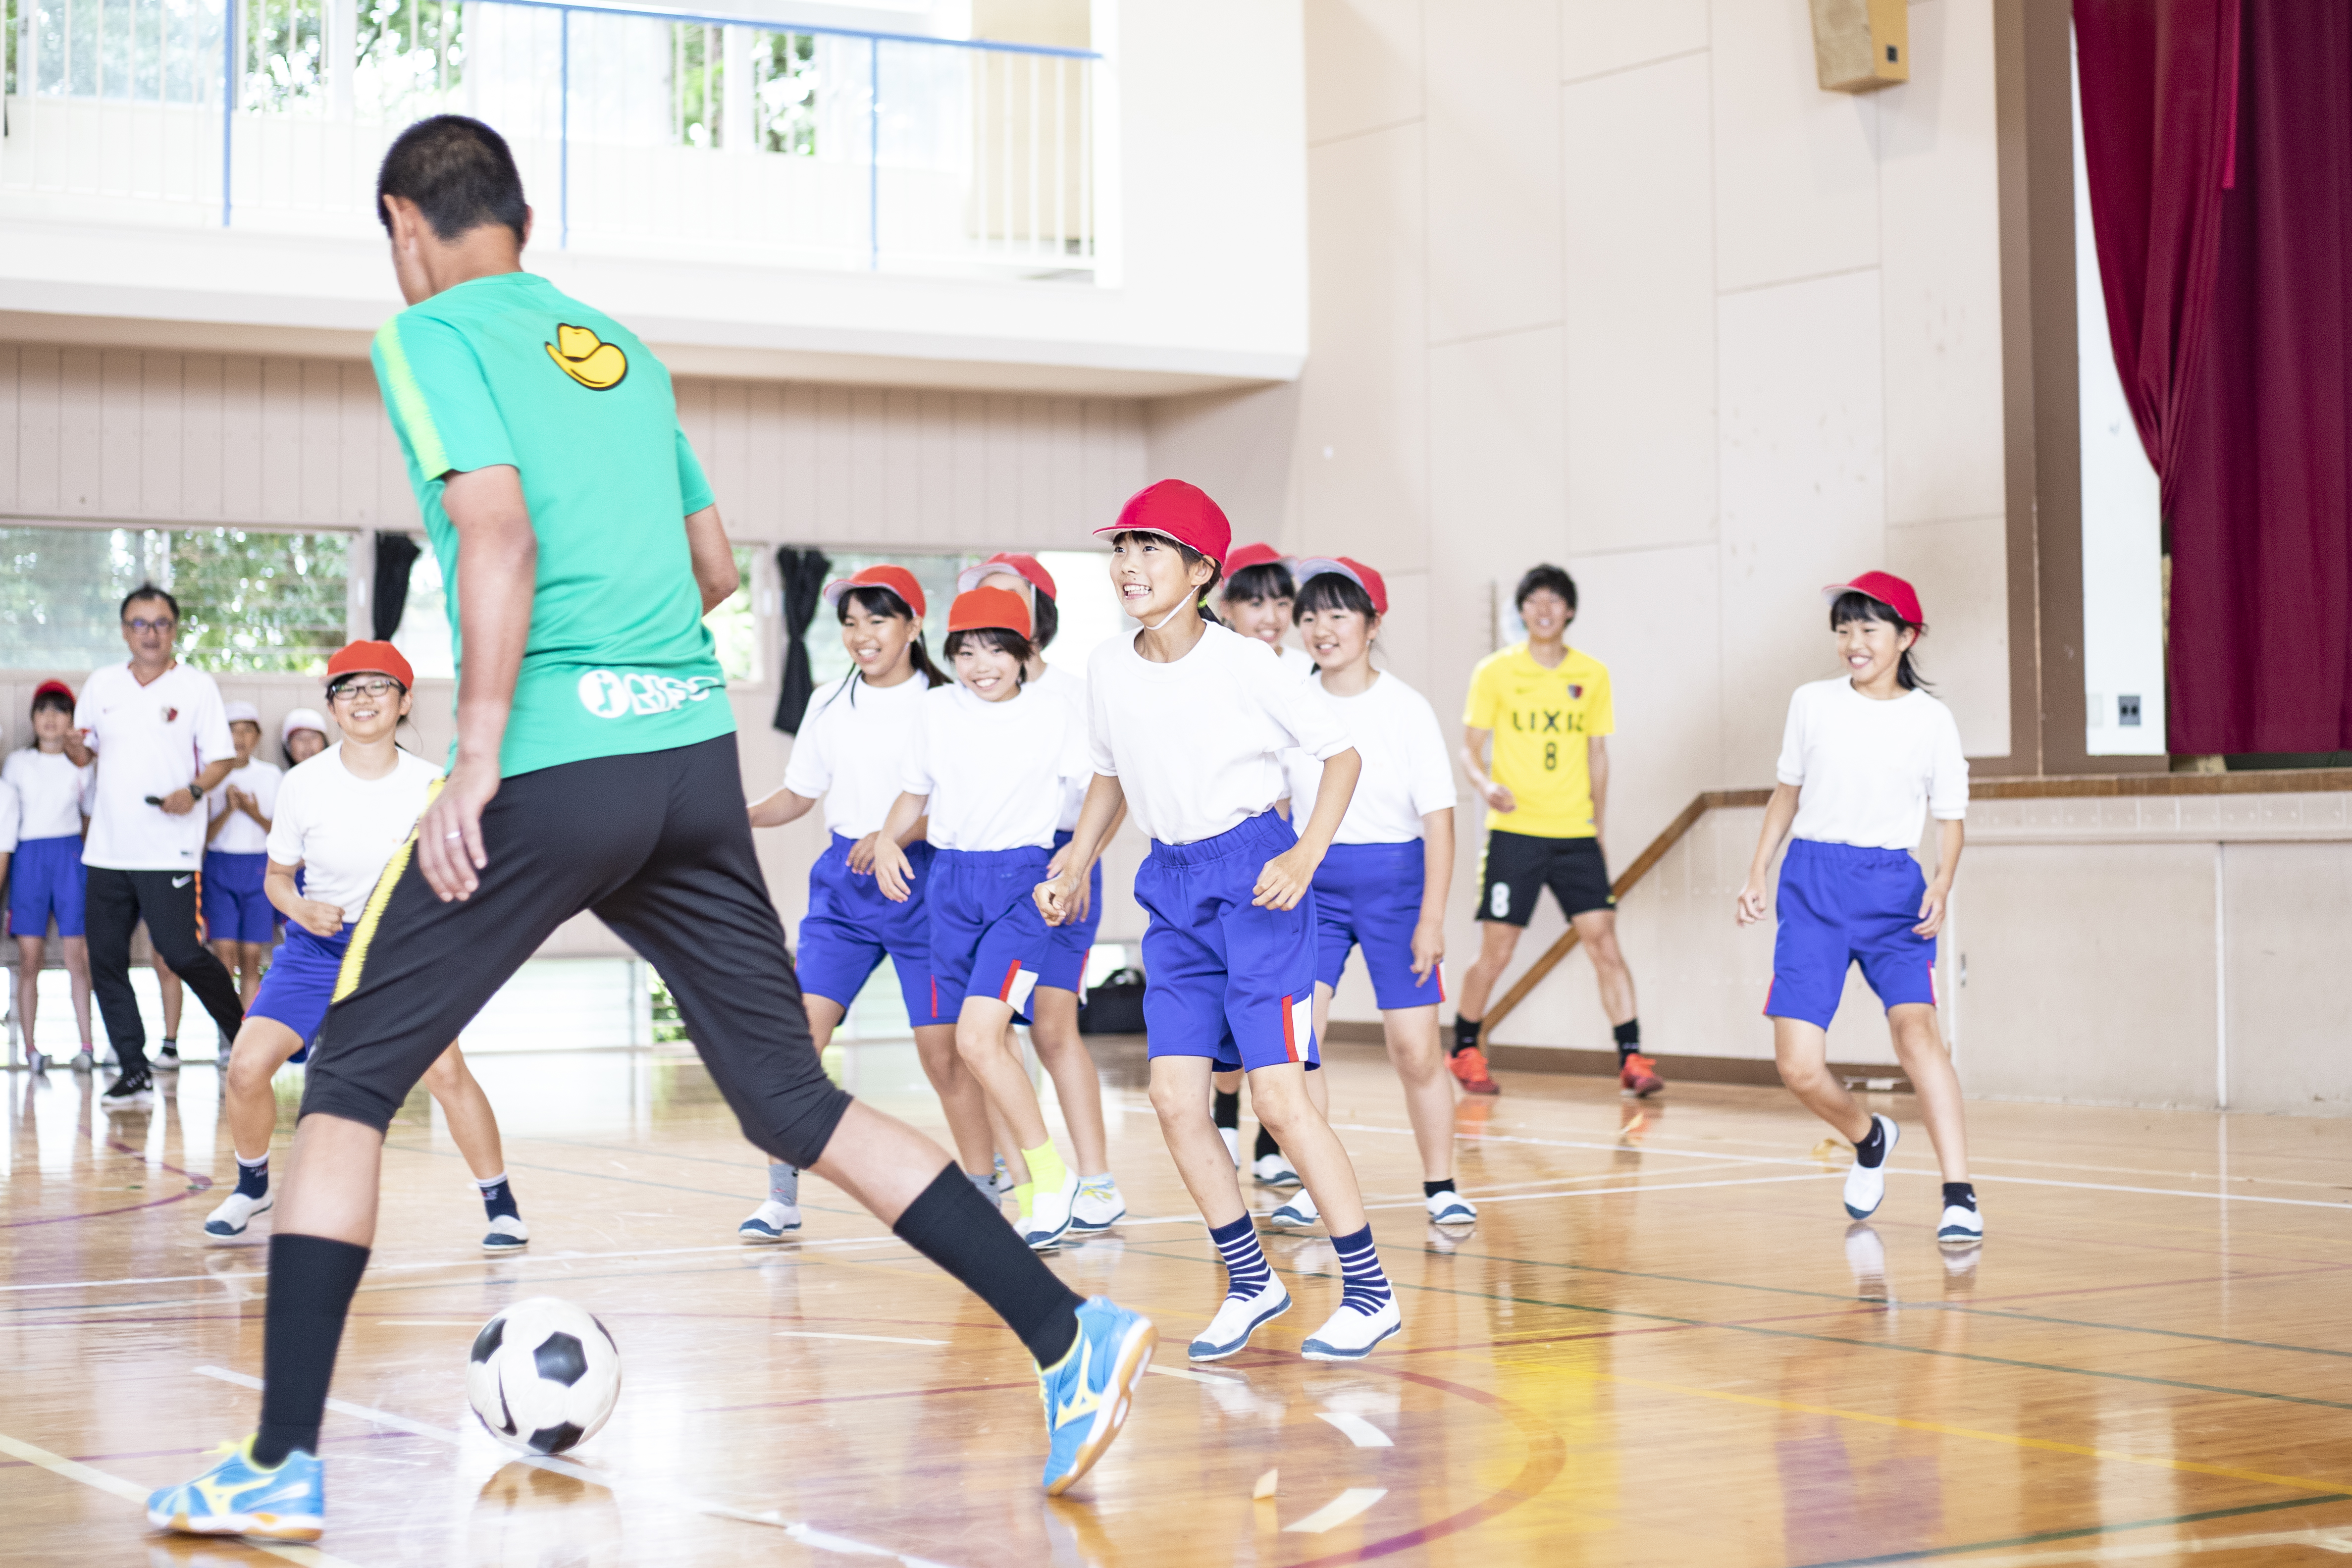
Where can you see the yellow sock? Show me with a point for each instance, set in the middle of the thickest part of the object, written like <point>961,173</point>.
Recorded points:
<point>1022,1193</point>
<point>1045,1168</point>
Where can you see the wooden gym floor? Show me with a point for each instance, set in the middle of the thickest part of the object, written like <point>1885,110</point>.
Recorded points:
<point>1662,1344</point>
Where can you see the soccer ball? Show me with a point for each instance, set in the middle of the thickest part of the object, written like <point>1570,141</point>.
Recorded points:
<point>545,1375</point>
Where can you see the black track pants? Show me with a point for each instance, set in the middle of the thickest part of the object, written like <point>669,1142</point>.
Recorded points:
<point>116,902</point>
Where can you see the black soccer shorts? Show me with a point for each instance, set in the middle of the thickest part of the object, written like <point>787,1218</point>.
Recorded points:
<point>658,846</point>
<point>1516,866</point>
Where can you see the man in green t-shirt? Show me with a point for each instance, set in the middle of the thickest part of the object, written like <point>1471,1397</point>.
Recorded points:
<point>594,769</point>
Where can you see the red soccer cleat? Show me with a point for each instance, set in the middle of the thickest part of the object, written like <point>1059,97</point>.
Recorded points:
<point>1470,1071</point>
<point>1639,1076</point>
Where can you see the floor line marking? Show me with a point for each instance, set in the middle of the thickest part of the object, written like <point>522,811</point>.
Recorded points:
<point>805,1533</point>
<point>1357,1430</point>
<point>2336,1539</point>
<point>868,1338</point>
<point>131,1493</point>
<point>1337,1511</point>
<point>1212,1379</point>
<point>2080,1532</point>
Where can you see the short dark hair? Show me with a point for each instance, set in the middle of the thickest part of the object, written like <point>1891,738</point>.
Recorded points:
<point>53,699</point>
<point>1854,605</point>
<point>877,600</point>
<point>460,174</point>
<point>1047,616</point>
<point>1004,640</point>
<point>1267,580</point>
<point>1191,558</point>
<point>1331,591</point>
<point>1546,578</point>
<point>147,591</point>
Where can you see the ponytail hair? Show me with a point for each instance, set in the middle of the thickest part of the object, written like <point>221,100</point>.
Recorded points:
<point>1856,606</point>
<point>876,600</point>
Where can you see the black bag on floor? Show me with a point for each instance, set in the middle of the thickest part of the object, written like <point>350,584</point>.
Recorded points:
<point>1115,1007</point>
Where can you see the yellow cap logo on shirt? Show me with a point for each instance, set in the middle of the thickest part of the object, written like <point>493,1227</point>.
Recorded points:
<point>587,359</point>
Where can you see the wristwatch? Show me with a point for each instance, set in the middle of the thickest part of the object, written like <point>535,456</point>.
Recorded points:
<point>195,789</point>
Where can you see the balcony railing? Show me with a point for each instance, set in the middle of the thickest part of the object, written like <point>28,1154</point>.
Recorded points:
<point>638,131</point>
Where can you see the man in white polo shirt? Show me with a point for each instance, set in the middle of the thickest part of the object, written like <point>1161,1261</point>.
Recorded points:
<point>160,737</point>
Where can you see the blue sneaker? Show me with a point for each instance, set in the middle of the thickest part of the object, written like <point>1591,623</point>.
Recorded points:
<point>1087,1392</point>
<point>236,1497</point>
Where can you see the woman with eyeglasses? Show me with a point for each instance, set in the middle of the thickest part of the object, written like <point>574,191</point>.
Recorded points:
<point>341,818</point>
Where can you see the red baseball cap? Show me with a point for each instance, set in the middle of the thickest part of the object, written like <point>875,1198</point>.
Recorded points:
<point>1356,572</point>
<point>1888,590</point>
<point>59,687</point>
<point>1250,555</point>
<point>989,609</point>
<point>1174,509</point>
<point>369,659</point>
<point>1026,567</point>
<point>896,579</point>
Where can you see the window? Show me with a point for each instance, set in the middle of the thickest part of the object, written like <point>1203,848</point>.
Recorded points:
<point>249,601</point>
<point>424,634</point>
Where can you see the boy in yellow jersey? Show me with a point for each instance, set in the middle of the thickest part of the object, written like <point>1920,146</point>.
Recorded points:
<point>1546,710</point>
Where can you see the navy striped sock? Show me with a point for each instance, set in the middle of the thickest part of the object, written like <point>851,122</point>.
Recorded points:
<point>1246,1273</point>
<point>1368,1288</point>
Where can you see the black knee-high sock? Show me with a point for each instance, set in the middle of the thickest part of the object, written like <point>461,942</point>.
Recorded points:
<point>1265,1144</point>
<point>1227,1109</point>
<point>953,1225</point>
<point>311,1282</point>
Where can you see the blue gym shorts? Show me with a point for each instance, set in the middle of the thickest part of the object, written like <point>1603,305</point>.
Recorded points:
<point>1225,979</point>
<point>987,937</point>
<point>1369,895</point>
<point>46,878</point>
<point>1065,968</point>
<point>300,982</point>
<point>1840,905</point>
<point>850,927</point>
<point>236,909</point>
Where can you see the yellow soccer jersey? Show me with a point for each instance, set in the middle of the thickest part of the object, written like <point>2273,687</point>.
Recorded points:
<point>1541,719</point>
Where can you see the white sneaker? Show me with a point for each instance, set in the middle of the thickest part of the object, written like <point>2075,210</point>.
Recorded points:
<point>38,1063</point>
<point>1099,1207</point>
<point>1233,1144</point>
<point>1451,1208</point>
<point>1048,1219</point>
<point>236,1211</point>
<point>1961,1227</point>
<point>1865,1186</point>
<point>768,1222</point>
<point>1350,1335</point>
<point>507,1233</point>
<point>167,1058</point>
<point>1272,1169</point>
<point>1236,1320</point>
<point>1298,1214</point>
<point>83,1061</point>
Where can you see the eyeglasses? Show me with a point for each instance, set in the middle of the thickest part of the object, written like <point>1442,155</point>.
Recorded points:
<point>165,625</point>
<point>373,691</point>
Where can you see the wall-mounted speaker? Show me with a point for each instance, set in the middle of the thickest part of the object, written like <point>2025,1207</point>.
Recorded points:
<point>1861,46</point>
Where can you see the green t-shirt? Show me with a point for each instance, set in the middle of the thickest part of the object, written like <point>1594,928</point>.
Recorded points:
<point>508,368</point>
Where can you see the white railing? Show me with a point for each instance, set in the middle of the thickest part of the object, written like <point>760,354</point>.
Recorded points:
<point>654,132</point>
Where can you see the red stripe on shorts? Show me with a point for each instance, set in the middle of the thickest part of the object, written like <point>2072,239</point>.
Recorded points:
<point>1289,1035</point>
<point>1012,974</point>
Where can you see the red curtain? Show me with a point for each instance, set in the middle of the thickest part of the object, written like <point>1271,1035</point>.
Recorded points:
<point>2218,142</point>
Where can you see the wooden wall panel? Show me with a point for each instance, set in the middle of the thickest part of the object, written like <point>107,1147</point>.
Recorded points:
<point>120,433</point>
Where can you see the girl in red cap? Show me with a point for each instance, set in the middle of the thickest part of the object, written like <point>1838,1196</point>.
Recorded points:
<point>849,753</point>
<point>1188,722</point>
<point>1052,1012</point>
<point>1867,757</point>
<point>987,768</point>
<point>46,878</point>
<point>340,818</point>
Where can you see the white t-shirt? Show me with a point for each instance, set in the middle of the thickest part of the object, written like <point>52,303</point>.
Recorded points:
<point>1870,772</point>
<point>51,790</point>
<point>12,812</point>
<point>996,772</point>
<point>1407,773</point>
<point>149,740</point>
<point>852,750</point>
<point>240,834</point>
<point>1197,745</point>
<point>340,828</point>
<point>1071,688</point>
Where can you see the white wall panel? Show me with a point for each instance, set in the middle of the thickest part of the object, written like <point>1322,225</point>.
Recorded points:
<point>1796,175</point>
<point>1600,36</point>
<point>1493,168</point>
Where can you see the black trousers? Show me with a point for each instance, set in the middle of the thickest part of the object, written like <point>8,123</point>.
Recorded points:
<point>659,846</point>
<point>115,904</point>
